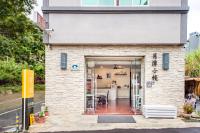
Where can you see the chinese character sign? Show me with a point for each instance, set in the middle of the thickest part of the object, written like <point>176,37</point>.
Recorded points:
<point>154,65</point>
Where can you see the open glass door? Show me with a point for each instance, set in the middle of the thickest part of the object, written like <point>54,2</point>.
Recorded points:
<point>90,87</point>
<point>136,89</point>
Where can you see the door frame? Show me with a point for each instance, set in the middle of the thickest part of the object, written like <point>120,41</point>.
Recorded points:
<point>92,58</point>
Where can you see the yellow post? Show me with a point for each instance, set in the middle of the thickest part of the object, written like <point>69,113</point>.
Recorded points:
<point>27,83</point>
<point>27,98</point>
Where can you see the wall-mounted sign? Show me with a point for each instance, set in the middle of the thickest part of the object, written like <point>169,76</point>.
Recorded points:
<point>154,64</point>
<point>63,61</point>
<point>75,67</point>
<point>165,61</point>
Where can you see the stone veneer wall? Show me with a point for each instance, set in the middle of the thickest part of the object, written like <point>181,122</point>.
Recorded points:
<point>65,89</point>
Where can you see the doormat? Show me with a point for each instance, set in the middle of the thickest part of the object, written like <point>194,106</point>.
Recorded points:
<point>115,119</point>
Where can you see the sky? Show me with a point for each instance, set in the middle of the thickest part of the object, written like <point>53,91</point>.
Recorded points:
<point>193,15</point>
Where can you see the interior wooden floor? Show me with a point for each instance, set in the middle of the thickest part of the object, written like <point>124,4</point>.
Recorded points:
<point>120,106</point>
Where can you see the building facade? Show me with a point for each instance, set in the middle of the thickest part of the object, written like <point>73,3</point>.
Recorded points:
<point>138,43</point>
<point>193,42</point>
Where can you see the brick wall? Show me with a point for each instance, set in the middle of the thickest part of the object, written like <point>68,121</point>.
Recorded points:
<point>65,89</point>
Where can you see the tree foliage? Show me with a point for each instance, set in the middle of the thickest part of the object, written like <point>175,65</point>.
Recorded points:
<point>20,39</point>
<point>13,20</point>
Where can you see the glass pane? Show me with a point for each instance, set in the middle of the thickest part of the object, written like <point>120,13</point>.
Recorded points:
<point>136,90</point>
<point>136,2</point>
<point>106,2</point>
<point>90,2</point>
<point>140,2</point>
<point>90,88</point>
<point>144,2</point>
<point>125,2</point>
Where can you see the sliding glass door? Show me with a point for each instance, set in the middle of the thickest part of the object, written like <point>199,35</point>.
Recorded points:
<point>136,88</point>
<point>90,87</point>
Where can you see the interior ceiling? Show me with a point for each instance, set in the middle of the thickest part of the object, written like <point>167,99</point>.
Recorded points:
<point>113,58</point>
<point>121,63</point>
<point>117,65</point>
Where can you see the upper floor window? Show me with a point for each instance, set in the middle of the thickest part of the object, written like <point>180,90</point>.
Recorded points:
<point>114,2</point>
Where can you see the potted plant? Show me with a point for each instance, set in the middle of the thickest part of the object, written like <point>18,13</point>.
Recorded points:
<point>188,109</point>
<point>46,111</point>
<point>40,117</point>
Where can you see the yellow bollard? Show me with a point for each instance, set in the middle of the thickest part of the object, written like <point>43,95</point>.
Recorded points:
<point>32,119</point>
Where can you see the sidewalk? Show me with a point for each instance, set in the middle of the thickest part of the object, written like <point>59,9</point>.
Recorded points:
<point>86,123</point>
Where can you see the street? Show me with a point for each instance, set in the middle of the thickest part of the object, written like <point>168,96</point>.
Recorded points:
<point>7,119</point>
<point>168,130</point>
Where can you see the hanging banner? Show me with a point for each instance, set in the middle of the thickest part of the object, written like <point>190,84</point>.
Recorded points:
<point>27,97</point>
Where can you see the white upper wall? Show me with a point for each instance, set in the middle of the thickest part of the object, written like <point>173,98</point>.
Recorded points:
<point>165,2</point>
<point>64,2</point>
<point>151,2</point>
<point>115,28</point>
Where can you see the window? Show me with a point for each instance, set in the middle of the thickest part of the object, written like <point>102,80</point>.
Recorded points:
<point>90,2</point>
<point>125,2</point>
<point>106,2</point>
<point>114,2</point>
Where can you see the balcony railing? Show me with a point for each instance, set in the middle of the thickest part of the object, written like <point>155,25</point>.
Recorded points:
<point>114,2</point>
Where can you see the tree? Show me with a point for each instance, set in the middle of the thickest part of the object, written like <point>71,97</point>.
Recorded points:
<point>20,38</point>
<point>13,20</point>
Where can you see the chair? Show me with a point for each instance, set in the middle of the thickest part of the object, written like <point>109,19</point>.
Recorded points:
<point>102,99</point>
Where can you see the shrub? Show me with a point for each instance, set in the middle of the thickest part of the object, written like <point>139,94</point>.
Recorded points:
<point>13,88</point>
<point>39,73</point>
<point>39,87</point>
<point>10,72</point>
<point>188,108</point>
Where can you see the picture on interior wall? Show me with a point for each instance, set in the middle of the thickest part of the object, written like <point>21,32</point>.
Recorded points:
<point>108,75</point>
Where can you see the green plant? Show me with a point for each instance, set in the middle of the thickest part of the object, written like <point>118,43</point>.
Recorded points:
<point>192,67</point>
<point>188,108</point>
<point>39,87</point>
<point>14,89</point>
<point>46,109</point>
<point>10,72</point>
<point>41,114</point>
<point>198,113</point>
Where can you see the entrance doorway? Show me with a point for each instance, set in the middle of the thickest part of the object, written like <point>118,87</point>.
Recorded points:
<point>113,85</point>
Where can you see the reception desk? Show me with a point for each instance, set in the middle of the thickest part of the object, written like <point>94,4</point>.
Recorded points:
<point>114,92</point>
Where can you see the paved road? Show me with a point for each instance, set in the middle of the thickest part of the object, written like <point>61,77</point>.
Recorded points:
<point>170,130</point>
<point>7,119</point>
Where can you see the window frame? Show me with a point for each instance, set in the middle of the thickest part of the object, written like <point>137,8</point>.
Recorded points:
<point>115,5</point>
